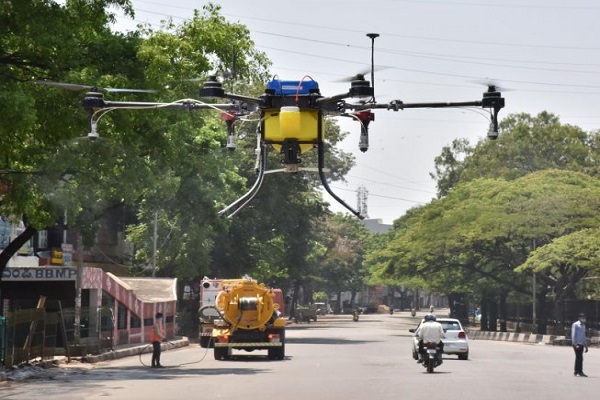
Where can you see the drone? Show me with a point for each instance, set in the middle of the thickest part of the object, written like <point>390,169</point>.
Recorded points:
<point>291,115</point>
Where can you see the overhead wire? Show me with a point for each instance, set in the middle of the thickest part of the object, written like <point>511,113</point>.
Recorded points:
<point>390,34</point>
<point>380,195</point>
<point>424,55</point>
<point>389,184</point>
<point>329,27</point>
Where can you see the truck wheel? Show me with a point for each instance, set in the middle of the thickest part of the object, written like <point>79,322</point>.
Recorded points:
<point>204,341</point>
<point>277,353</point>
<point>222,353</point>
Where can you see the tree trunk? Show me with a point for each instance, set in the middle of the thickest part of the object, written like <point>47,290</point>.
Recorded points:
<point>484,314</point>
<point>14,246</point>
<point>502,312</point>
<point>458,307</point>
<point>542,316</point>
<point>493,321</point>
<point>352,298</point>
<point>416,300</point>
<point>295,298</point>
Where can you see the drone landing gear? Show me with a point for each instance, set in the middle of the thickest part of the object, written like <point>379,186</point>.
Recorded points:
<point>290,151</point>
<point>321,161</point>
<point>249,196</point>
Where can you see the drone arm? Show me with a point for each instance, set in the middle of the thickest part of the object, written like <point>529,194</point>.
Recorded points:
<point>491,100</point>
<point>399,105</point>
<point>245,99</point>
<point>333,99</point>
<point>181,104</point>
<point>443,105</point>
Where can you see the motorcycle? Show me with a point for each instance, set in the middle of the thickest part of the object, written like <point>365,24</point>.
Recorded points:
<point>355,314</point>
<point>413,313</point>
<point>431,356</point>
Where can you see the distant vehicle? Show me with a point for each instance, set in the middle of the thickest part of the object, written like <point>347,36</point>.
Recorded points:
<point>456,341</point>
<point>306,313</point>
<point>323,308</point>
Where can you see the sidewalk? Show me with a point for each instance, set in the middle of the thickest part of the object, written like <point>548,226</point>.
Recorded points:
<point>40,368</point>
<point>134,350</point>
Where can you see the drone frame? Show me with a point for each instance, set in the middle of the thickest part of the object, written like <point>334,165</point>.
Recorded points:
<point>274,102</point>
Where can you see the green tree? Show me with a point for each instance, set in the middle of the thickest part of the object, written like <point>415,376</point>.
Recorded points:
<point>45,40</point>
<point>187,150</point>
<point>342,266</point>
<point>472,240</point>
<point>449,165</point>
<point>564,263</point>
<point>526,144</point>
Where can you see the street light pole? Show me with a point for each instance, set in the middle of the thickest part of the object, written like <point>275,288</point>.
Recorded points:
<point>154,240</point>
<point>533,291</point>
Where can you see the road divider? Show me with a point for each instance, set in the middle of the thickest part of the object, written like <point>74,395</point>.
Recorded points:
<point>526,337</point>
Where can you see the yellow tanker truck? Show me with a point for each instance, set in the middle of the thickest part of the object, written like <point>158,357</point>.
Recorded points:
<point>248,320</point>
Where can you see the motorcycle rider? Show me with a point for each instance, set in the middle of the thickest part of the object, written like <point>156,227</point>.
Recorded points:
<point>430,331</point>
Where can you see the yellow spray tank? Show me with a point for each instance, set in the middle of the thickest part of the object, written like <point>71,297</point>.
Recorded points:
<point>250,320</point>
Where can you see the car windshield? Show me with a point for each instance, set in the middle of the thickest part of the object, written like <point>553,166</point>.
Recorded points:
<point>450,325</point>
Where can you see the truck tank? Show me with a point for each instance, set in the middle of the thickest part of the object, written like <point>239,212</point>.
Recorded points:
<point>249,320</point>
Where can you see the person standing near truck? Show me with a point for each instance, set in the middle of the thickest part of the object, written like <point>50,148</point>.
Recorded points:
<point>157,335</point>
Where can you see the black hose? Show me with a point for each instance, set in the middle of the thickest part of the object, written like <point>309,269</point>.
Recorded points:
<point>179,365</point>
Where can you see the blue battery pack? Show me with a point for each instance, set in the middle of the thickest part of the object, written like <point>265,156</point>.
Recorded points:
<point>285,88</point>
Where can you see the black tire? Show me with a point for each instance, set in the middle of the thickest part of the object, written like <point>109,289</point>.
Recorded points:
<point>415,355</point>
<point>222,353</point>
<point>205,341</point>
<point>463,356</point>
<point>277,353</point>
<point>430,364</point>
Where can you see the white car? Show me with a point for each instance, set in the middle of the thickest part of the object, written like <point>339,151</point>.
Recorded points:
<point>456,341</point>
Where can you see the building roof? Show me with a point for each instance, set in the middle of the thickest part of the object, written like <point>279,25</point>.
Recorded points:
<point>153,290</point>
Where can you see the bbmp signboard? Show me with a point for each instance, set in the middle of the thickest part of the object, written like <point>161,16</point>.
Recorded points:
<point>40,274</point>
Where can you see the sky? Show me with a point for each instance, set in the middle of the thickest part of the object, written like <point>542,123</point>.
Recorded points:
<point>546,52</point>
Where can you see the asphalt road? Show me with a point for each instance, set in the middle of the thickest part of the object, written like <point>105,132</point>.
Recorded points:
<point>332,359</point>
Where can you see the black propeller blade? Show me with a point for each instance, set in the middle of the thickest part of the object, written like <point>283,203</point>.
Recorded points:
<point>360,76</point>
<point>77,86</point>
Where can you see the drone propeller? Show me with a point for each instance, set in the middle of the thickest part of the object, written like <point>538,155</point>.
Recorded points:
<point>76,86</point>
<point>358,77</point>
<point>294,168</point>
<point>361,75</point>
<point>492,85</point>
